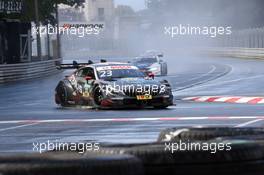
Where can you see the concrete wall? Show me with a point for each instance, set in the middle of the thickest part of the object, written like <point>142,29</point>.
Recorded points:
<point>236,52</point>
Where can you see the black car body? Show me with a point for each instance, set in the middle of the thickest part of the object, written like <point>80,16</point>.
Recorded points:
<point>112,85</point>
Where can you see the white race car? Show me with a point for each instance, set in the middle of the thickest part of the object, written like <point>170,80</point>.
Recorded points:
<point>151,62</point>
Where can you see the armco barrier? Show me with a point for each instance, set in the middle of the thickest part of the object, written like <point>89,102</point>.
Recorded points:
<point>237,52</point>
<point>24,71</point>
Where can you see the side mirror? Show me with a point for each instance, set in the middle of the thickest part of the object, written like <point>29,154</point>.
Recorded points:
<point>151,75</point>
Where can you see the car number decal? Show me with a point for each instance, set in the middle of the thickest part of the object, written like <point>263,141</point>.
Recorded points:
<point>105,73</point>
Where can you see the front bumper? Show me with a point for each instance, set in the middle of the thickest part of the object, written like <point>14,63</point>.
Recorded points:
<point>127,102</point>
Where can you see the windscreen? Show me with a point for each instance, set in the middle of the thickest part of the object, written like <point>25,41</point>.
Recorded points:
<point>112,72</point>
<point>147,60</point>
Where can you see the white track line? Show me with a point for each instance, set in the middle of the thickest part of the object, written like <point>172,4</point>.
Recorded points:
<point>33,122</point>
<point>213,68</point>
<point>248,123</point>
<point>16,127</point>
<point>225,82</point>
<point>199,84</point>
<point>184,87</point>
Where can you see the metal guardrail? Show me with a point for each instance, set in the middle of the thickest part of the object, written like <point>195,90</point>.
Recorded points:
<point>237,52</point>
<point>25,71</point>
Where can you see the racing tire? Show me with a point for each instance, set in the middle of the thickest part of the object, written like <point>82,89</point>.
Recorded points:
<point>200,134</point>
<point>62,95</point>
<point>69,163</point>
<point>97,96</point>
<point>245,158</point>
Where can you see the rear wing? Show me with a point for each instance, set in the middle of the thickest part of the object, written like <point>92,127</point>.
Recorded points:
<point>75,65</point>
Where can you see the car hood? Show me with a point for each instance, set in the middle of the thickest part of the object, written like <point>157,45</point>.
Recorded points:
<point>133,81</point>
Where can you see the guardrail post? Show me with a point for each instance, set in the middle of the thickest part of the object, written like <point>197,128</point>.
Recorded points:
<point>29,46</point>
<point>261,37</point>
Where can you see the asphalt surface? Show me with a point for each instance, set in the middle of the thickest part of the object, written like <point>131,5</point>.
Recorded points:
<point>28,113</point>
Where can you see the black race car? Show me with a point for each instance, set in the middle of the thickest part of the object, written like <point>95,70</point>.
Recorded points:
<point>111,85</point>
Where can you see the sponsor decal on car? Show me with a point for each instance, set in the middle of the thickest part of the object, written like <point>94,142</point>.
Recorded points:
<point>144,97</point>
<point>87,88</point>
<point>86,94</point>
<point>115,67</point>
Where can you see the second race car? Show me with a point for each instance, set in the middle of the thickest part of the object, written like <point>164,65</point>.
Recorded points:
<point>111,85</point>
<point>151,62</point>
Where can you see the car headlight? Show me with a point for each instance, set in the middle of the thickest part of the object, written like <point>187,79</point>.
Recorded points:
<point>154,67</point>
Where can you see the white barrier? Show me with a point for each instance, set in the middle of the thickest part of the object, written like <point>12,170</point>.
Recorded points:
<point>237,52</point>
<point>24,71</point>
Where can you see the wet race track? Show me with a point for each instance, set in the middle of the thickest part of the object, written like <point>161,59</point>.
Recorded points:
<point>29,114</point>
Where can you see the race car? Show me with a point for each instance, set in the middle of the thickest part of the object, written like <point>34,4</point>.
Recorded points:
<point>151,62</point>
<point>111,85</point>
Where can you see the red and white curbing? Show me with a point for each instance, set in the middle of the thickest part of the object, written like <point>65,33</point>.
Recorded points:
<point>227,99</point>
